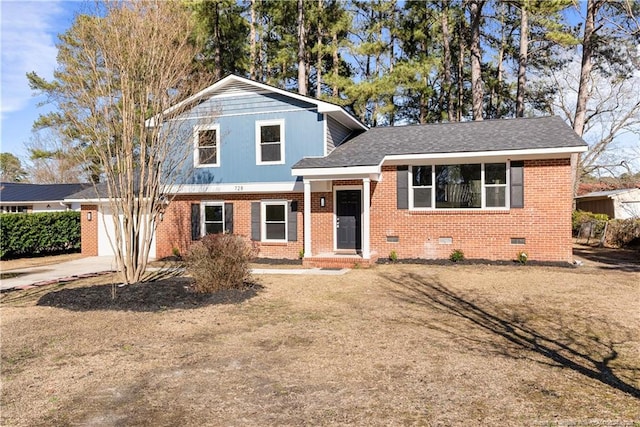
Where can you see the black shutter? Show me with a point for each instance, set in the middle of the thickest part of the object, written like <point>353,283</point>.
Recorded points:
<point>195,221</point>
<point>228,218</point>
<point>517,185</point>
<point>255,220</point>
<point>292,222</point>
<point>402,183</point>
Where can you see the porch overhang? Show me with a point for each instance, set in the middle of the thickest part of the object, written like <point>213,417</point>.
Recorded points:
<point>373,173</point>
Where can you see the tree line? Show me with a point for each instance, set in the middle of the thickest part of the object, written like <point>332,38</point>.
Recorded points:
<point>393,62</point>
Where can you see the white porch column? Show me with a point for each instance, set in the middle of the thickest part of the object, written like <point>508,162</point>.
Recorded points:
<point>307,218</point>
<point>366,220</point>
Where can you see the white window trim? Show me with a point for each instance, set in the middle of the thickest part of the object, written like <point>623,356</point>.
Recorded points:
<point>196,146</point>
<point>505,186</point>
<point>263,220</point>
<point>203,229</point>
<point>411,188</point>
<point>483,188</point>
<point>259,124</point>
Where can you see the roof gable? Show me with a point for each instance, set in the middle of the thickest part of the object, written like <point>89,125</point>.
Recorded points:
<point>233,85</point>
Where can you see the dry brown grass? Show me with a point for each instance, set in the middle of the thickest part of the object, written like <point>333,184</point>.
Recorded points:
<point>395,345</point>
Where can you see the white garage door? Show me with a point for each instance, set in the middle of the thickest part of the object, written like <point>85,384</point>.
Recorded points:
<point>106,230</point>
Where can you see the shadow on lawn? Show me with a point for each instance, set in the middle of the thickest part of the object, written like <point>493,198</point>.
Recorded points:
<point>165,294</point>
<point>582,352</point>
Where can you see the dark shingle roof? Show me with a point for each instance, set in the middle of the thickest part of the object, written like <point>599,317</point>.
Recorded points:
<point>370,147</point>
<point>89,192</point>
<point>19,192</point>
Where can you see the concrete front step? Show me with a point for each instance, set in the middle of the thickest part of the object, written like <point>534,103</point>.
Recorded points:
<point>339,261</point>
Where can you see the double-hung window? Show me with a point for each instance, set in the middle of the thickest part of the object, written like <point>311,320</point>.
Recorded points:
<point>207,145</point>
<point>421,186</point>
<point>212,217</point>
<point>274,223</point>
<point>270,142</point>
<point>495,185</point>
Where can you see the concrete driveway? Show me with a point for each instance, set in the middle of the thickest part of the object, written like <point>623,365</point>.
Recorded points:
<point>50,273</point>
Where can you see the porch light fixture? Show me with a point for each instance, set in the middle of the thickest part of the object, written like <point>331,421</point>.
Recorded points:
<point>89,216</point>
<point>323,202</point>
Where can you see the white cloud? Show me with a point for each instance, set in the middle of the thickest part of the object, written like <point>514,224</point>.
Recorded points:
<point>28,44</point>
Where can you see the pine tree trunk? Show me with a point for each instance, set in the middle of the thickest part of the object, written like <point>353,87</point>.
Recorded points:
<point>319,53</point>
<point>217,57</point>
<point>252,41</point>
<point>477,89</point>
<point>585,70</point>
<point>447,61</point>
<point>336,65</point>
<point>460,83</point>
<point>495,100</point>
<point>302,67</point>
<point>522,60</point>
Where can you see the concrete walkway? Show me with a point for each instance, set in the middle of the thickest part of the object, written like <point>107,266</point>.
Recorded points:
<point>50,273</point>
<point>46,274</point>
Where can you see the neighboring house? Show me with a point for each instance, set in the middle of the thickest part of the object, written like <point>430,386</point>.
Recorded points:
<point>303,176</point>
<point>27,198</point>
<point>618,204</point>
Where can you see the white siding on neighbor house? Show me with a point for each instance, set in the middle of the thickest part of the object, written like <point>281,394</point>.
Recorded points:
<point>32,207</point>
<point>106,231</point>
<point>627,205</point>
<point>336,133</point>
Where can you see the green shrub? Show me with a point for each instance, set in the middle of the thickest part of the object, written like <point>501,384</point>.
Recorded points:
<point>456,255</point>
<point>39,233</point>
<point>393,256</point>
<point>220,261</point>
<point>578,218</point>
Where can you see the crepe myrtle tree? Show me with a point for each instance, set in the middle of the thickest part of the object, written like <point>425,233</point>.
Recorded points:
<point>120,69</point>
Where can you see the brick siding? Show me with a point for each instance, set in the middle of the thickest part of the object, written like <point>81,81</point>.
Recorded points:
<point>174,231</point>
<point>89,230</point>
<point>544,222</point>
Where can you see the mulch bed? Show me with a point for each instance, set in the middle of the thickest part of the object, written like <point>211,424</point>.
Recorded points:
<point>172,293</point>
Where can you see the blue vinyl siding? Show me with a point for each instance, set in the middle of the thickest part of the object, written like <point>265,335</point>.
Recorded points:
<point>237,116</point>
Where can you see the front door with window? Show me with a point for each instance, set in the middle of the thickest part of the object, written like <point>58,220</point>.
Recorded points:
<point>348,217</point>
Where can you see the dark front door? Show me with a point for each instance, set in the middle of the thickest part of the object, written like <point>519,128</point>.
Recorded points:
<point>348,214</point>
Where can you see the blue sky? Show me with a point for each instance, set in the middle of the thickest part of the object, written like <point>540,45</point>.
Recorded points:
<point>28,36</point>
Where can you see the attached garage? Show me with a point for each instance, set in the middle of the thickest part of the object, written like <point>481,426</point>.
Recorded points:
<point>106,233</point>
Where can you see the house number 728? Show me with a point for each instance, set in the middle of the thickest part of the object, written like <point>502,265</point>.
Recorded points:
<point>237,188</point>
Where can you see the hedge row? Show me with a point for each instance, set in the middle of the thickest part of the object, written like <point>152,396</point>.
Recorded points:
<point>37,233</point>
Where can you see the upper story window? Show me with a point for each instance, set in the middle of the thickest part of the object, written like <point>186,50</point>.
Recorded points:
<point>458,186</point>
<point>207,145</point>
<point>270,142</point>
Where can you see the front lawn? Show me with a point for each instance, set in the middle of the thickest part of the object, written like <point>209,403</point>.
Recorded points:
<point>394,345</point>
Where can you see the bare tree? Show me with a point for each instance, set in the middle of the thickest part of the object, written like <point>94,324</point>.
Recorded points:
<point>128,63</point>
<point>52,161</point>
<point>611,124</point>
